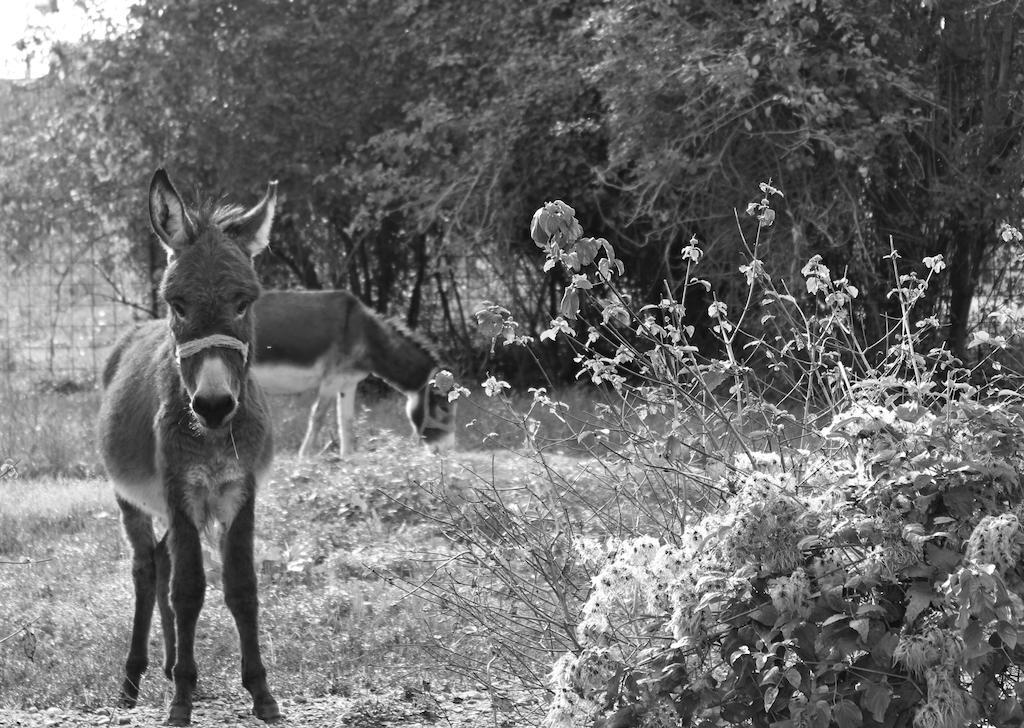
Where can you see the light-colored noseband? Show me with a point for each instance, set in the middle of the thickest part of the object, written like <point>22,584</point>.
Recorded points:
<point>223,341</point>
<point>446,423</point>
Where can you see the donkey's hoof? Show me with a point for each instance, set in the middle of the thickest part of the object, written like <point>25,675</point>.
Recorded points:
<point>267,711</point>
<point>179,715</point>
<point>129,694</point>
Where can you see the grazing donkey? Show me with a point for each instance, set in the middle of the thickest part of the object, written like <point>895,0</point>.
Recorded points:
<point>330,341</point>
<point>186,437</point>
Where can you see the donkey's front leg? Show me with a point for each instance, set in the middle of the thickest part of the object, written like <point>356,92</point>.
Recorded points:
<point>163,600</point>
<point>240,597</point>
<point>347,418</point>
<point>317,413</point>
<point>138,527</point>
<point>188,589</point>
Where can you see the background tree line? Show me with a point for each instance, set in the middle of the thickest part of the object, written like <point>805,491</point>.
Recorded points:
<point>413,139</point>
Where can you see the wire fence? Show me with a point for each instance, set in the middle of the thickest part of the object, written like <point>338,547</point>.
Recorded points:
<point>60,317</point>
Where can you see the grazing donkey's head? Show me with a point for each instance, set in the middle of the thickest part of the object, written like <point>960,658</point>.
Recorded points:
<point>432,416</point>
<point>209,287</point>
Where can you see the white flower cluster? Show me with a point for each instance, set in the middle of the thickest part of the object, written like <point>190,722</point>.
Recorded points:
<point>764,524</point>
<point>639,575</point>
<point>931,649</point>
<point>580,683</point>
<point>636,578</point>
<point>569,710</point>
<point>791,595</point>
<point>643,577</point>
<point>863,419</point>
<point>947,704</point>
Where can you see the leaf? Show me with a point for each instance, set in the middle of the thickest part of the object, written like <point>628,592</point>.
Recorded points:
<point>871,610</point>
<point>770,696</point>
<point>1008,634</point>
<point>846,714</point>
<point>942,558</point>
<point>835,618</point>
<point>909,412</point>
<point>738,653</point>
<point>875,699</point>
<point>735,711</point>
<point>881,650</point>
<point>919,598</point>
<point>773,676</point>
<point>820,716</point>
<point>809,542</point>
<point>863,627</point>
<point>621,718</point>
<point>766,615</point>
<point>570,304</point>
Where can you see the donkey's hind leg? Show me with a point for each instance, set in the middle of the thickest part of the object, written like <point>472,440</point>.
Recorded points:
<point>241,599</point>
<point>138,527</point>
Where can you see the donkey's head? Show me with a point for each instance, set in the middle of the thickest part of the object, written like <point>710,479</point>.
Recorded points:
<point>432,416</point>
<point>209,286</point>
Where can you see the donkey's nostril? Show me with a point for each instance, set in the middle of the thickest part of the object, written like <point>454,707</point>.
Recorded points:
<point>214,409</point>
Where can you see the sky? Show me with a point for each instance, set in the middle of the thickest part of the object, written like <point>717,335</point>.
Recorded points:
<point>69,23</point>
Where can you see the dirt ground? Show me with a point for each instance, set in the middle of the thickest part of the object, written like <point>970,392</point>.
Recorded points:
<point>470,709</point>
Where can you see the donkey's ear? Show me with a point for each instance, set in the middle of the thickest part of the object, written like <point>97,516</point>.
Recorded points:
<point>167,213</point>
<point>252,230</point>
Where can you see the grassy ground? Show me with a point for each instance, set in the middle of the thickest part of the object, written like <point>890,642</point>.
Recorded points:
<point>338,542</point>
<point>340,546</point>
<point>52,434</point>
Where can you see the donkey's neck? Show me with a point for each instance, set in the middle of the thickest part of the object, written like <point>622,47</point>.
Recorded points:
<point>398,355</point>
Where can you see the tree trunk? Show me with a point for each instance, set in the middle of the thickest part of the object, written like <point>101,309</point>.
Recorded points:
<point>412,317</point>
<point>967,252</point>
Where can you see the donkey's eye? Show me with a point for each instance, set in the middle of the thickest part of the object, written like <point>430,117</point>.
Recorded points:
<point>242,307</point>
<point>177,308</point>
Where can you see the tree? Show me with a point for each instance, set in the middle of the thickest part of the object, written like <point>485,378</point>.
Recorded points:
<point>879,119</point>
<point>414,138</point>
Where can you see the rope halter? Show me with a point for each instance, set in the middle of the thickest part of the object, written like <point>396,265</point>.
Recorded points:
<point>222,341</point>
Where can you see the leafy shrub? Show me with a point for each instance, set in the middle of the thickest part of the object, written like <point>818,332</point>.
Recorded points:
<point>842,540</point>
<point>874,589</point>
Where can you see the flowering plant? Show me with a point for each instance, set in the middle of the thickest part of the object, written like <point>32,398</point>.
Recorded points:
<point>861,572</point>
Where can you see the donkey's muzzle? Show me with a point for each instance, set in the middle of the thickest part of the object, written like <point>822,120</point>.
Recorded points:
<point>217,388</point>
<point>214,410</point>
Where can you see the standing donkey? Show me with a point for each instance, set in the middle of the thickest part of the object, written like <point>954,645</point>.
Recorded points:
<point>186,437</point>
<point>330,341</point>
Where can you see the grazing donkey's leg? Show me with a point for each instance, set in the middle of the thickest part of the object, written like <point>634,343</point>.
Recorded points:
<point>347,417</point>
<point>316,418</point>
<point>188,590</point>
<point>343,391</point>
<point>241,599</point>
<point>138,527</point>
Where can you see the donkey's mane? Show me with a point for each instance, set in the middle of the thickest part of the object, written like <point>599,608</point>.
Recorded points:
<point>218,214</point>
<point>425,344</point>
